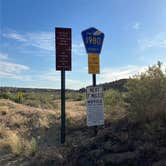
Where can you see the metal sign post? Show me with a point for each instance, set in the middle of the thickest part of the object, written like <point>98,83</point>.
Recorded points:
<point>63,115</point>
<point>94,79</point>
<point>63,62</point>
<point>94,84</point>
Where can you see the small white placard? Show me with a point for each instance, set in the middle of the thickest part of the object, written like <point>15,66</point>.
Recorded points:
<point>95,106</point>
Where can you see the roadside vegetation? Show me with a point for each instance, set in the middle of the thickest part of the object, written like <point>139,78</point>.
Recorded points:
<point>44,100</point>
<point>135,125</point>
<point>23,129</point>
<point>137,135</point>
<point>146,96</point>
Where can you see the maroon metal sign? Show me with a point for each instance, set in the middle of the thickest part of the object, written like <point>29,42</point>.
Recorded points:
<point>63,48</point>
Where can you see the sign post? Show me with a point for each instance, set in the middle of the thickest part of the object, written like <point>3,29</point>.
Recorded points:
<point>63,62</point>
<point>93,40</point>
<point>63,115</point>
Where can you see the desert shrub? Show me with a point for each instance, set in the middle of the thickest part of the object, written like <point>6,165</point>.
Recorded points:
<point>11,96</point>
<point>44,122</point>
<point>41,100</point>
<point>10,139</point>
<point>44,100</point>
<point>146,96</point>
<point>68,121</point>
<point>32,103</point>
<point>112,99</point>
<point>31,147</point>
<point>16,143</point>
<point>17,120</point>
<point>5,95</point>
<point>76,96</point>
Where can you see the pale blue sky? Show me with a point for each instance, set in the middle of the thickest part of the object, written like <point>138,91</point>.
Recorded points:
<point>135,37</point>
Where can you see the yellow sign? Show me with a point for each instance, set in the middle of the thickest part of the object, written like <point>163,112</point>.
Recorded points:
<point>19,94</point>
<point>93,64</point>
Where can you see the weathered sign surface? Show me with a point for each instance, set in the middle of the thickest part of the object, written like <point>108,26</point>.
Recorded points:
<point>95,106</point>
<point>93,40</point>
<point>93,64</point>
<point>63,48</point>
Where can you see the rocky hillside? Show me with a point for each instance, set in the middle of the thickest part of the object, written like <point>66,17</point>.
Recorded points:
<point>122,143</point>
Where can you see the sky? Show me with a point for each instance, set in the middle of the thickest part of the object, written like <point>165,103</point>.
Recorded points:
<point>135,38</point>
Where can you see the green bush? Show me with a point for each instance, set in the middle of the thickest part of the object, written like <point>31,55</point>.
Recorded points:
<point>75,96</point>
<point>11,96</point>
<point>5,96</point>
<point>29,147</point>
<point>41,100</point>
<point>112,99</point>
<point>146,96</point>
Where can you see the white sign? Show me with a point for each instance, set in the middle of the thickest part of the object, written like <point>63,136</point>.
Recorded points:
<point>95,106</point>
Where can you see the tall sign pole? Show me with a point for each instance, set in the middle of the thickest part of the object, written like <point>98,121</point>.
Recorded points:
<point>63,115</point>
<point>63,63</point>
<point>93,40</point>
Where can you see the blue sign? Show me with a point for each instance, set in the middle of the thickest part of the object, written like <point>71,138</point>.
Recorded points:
<point>93,40</point>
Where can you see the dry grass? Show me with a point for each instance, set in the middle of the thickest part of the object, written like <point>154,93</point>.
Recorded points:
<point>14,141</point>
<point>17,123</point>
<point>18,120</point>
<point>21,126</point>
<point>115,113</point>
<point>10,139</point>
<point>31,147</point>
<point>73,106</point>
<point>44,122</point>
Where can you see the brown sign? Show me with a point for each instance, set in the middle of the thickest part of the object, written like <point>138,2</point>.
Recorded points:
<point>63,48</point>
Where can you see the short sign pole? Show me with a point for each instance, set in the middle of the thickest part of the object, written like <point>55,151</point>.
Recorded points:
<point>94,79</point>
<point>63,63</point>
<point>94,84</point>
<point>63,115</point>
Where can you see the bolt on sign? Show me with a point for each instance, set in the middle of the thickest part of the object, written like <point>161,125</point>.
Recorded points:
<point>63,48</point>
<point>93,64</point>
<point>95,106</point>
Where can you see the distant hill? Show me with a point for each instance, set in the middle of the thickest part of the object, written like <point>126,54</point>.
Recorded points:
<point>30,90</point>
<point>116,85</point>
